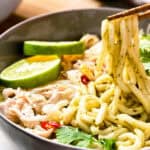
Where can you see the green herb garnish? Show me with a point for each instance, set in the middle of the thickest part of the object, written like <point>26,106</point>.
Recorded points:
<point>108,144</point>
<point>73,136</point>
<point>145,52</point>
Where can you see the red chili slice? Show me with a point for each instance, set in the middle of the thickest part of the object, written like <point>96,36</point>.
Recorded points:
<point>84,79</point>
<point>47,125</point>
<point>55,125</point>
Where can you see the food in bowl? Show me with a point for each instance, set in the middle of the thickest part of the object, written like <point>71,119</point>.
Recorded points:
<point>100,99</point>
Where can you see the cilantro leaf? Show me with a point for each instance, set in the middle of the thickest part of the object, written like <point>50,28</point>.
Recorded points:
<point>71,135</point>
<point>108,144</point>
<point>145,47</point>
<point>84,143</point>
<point>145,52</point>
<point>146,36</point>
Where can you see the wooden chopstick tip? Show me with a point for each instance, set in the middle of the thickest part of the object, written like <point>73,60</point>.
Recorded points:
<point>135,10</point>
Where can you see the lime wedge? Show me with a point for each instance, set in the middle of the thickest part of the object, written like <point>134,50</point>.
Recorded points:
<point>31,72</point>
<point>59,48</point>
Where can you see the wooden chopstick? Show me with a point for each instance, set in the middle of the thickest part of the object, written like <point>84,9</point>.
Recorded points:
<point>144,15</point>
<point>137,10</point>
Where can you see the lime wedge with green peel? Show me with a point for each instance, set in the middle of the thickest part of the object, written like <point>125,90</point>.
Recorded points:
<point>58,48</point>
<point>31,72</point>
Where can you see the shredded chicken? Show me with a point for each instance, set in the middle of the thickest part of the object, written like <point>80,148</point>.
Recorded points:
<point>40,131</point>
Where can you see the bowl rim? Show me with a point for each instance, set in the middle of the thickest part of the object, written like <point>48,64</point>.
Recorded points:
<point>32,19</point>
<point>20,128</point>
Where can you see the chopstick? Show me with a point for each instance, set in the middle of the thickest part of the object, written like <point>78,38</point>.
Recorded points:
<point>143,11</point>
<point>144,15</point>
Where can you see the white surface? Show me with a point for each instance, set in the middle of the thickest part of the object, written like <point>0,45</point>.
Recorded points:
<point>5,143</point>
<point>6,7</point>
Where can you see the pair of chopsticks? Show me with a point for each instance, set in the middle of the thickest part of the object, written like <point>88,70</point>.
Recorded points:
<point>143,11</point>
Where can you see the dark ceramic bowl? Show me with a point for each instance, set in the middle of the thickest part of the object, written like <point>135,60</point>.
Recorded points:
<point>69,25</point>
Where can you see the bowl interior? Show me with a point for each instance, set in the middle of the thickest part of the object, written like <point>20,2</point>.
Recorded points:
<point>68,25</point>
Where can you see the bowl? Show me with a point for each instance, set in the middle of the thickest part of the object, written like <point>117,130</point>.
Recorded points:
<point>6,7</point>
<point>67,25</point>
